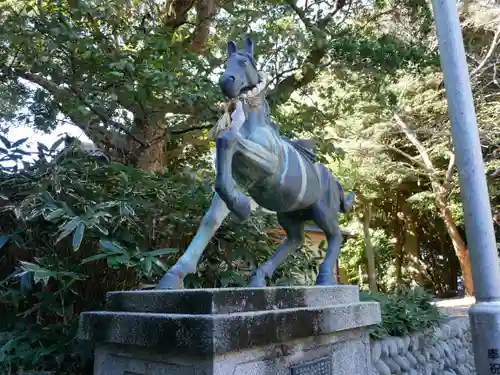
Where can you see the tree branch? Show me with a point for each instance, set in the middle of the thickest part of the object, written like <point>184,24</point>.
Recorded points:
<point>410,134</point>
<point>449,171</point>
<point>405,155</point>
<point>190,129</point>
<point>63,94</point>
<point>301,14</point>
<point>205,13</point>
<point>105,117</point>
<point>309,69</point>
<point>489,54</point>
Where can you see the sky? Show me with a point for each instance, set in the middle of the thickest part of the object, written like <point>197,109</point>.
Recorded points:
<point>22,131</point>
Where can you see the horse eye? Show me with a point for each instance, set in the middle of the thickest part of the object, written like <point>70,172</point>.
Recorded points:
<point>243,62</point>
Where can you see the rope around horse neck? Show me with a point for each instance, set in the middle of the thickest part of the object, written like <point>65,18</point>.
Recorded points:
<point>253,98</point>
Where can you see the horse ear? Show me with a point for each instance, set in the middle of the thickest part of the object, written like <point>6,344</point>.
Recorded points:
<point>249,46</point>
<point>231,47</point>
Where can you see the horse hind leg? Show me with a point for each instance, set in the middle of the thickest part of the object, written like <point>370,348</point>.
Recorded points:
<point>294,228</point>
<point>325,215</point>
<point>334,240</point>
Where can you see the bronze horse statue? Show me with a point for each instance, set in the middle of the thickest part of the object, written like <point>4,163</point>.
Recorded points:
<point>280,175</point>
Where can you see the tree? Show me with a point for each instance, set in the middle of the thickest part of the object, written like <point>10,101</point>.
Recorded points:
<point>369,251</point>
<point>400,164</point>
<point>135,76</point>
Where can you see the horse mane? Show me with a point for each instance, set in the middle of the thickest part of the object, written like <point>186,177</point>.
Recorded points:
<point>305,147</point>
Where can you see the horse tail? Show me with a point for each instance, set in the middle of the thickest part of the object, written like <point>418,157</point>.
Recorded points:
<point>346,203</point>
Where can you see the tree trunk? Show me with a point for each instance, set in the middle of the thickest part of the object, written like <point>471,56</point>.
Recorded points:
<point>369,252</point>
<point>411,245</point>
<point>459,245</point>
<point>151,157</point>
<point>398,228</point>
<point>441,195</point>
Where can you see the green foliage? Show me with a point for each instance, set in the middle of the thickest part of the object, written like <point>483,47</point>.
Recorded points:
<point>405,312</point>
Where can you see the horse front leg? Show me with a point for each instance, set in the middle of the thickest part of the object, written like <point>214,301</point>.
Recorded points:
<point>237,202</point>
<point>212,220</point>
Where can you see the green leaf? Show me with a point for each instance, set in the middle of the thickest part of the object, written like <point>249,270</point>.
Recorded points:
<point>116,74</point>
<point>113,261</point>
<point>41,146</point>
<point>78,236</point>
<point>68,227</point>
<point>112,247</point>
<point>5,141</point>
<point>32,267</point>
<point>56,144</point>
<point>19,142</point>
<point>155,253</point>
<point>95,257</point>
<point>148,265</point>
<point>160,264</point>
<point>4,238</point>
<point>54,214</point>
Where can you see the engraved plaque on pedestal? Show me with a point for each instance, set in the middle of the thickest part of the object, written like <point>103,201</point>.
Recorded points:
<point>320,366</point>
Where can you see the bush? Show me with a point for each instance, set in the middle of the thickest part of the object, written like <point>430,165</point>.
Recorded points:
<point>407,311</point>
<point>73,227</point>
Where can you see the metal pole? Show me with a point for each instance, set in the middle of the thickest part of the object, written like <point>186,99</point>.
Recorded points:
<point>485,313</point>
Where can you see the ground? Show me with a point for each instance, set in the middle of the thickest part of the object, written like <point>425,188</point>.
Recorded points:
<point>456,306</point>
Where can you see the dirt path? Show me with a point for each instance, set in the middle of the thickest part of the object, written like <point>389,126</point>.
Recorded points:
<point>456,306</point>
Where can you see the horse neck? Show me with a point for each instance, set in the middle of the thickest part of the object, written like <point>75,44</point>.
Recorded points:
<point>257,111</point>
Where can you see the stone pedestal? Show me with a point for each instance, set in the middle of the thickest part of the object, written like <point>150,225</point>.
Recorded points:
<point>267,331</point>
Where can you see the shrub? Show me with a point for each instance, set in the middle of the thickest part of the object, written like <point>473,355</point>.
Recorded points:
<point>405,312</point>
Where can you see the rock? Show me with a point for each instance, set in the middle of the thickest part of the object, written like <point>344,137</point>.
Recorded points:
<point>402,362</point>
<point>376,350</point>
<point>434,353</point>
<point>448,352</point>
<point>440,350</point>
<point>393,347</point>
<point>461,357</point>
<point>420,357</point>
<point>395,369</point>
<point>416,342</point>
<point>462,370</point>
<point>411,359</point>
<point>437,333</point>
<point>384,348</point>
<point>400,345</point>
<point>382,368</point>
<point>446,330</point>
<point>406,343</point>
<point>428,369</point>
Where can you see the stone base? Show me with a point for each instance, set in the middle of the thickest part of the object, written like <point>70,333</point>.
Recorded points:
<point>266,331</point>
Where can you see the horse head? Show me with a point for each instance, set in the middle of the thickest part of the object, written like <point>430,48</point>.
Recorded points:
<point>240,75</point>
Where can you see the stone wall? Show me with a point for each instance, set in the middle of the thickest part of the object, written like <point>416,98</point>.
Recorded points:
<point>446,350</point>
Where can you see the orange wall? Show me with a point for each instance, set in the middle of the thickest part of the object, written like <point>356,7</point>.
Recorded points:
<point>313,240</point>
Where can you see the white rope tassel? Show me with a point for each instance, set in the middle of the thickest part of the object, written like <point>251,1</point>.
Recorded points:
<point>224,122</point>
<point>236,119</point>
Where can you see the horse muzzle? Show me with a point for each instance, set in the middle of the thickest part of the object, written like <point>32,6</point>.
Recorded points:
<point>229,86</point>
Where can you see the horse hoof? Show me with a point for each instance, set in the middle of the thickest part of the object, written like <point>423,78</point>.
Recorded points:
<point>325,279</point>
<point>258,280</point>
<point>171,281</point>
